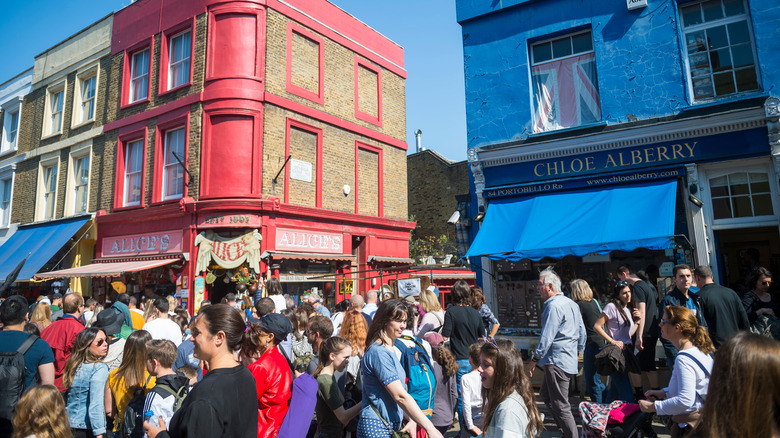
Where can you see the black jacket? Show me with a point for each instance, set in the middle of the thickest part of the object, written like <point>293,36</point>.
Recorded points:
<point>723,311</point>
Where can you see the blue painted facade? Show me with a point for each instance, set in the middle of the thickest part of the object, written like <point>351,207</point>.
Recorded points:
<point>646,106</point>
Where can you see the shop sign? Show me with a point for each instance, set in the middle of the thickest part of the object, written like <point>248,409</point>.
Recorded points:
<point>409,287</point>
<point>294,277</point>
<point>228,252</point>
<point>138,244</point>
<point>751,142</point>
<point>229,220</point>
<point>309,241</point>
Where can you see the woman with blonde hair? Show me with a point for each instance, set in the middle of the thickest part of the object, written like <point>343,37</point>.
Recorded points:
<point>84,378</point>
<point>130,375</point>
<point>149,310</point>
<point>41,316</point>
<point>691,373</point>
<point>743,398</point>
<point>40,413</point>
<point>590,309</point>
<point>433,319</point>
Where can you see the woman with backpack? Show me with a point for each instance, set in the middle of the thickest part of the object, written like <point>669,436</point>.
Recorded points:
<point>510,408</point>
<point>385,398</point>
<point>619,317</point>
<point>433,319</point>
<point>691,373</point>
<point>84,379</point>
<point>332,417</point>
<point>129,376</point>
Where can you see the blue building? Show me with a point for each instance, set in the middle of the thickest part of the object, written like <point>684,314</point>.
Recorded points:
<point>603,133</point>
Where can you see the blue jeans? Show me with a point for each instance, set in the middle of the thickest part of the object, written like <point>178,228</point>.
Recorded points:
<point>593,384</point>
<point>620,388</point>
<point>465,367</point>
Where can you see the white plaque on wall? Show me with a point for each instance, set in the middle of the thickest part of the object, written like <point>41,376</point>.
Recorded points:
<point>300,170</point>
<point>636,4</point>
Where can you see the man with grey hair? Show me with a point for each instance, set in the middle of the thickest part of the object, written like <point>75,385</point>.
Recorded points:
<point>563,335</point>
<point>370,307</point>
<point>316,301</point>
<point>721,307</point>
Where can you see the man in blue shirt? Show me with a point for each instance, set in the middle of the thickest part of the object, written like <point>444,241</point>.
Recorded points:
<point>563,335</point>
<point>681,296</point>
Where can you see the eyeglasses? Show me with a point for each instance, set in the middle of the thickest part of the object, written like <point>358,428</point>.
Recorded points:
<point>100,342</point>
<point>766,283</point>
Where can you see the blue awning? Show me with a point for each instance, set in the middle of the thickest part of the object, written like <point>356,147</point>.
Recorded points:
<point>578,223</point>
<point>40,241</point>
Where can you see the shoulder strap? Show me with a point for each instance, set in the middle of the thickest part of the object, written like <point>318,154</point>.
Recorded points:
<point>703,368</point>
<point>27,344</point>
<point>387,425</point>
<point>416,340</point>
<point>441,319</point>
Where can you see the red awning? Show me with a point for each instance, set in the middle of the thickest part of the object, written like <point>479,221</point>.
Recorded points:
<point>281,255</point>
<point>395,260</point>
<point>113,269</point>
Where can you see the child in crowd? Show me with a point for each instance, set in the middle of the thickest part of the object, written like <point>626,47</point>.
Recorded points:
<point>331,415</point>
<point>170,387</point>
<point>40,413</point>
<point>471,387</point>
<point>445,398</point>
<point>190,372</point>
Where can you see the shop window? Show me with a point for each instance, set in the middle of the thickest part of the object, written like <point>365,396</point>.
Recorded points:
<point>55,97</point>
<point>85,97</point>
<point>6,187</point>
<point>49,191</point>
<point>741,194</point>
<point>10,130</point>
<point>139,76</point>
<point>179,55</point>
<point>718,49</point>
<point>80,184</point>
<point>173,172</point>
<point>564,82</point>
<point>133,181</point>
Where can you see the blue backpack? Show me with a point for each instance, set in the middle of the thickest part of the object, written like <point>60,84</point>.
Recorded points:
<point>420,380</point>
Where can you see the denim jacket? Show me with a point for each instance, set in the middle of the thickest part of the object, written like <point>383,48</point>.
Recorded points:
<point>85,398</point>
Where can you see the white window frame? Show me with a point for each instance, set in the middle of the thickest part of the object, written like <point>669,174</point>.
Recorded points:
<point>82,77</point>
<point>5,211</point>
<point>73,181</point>
<point>173,164</point>
<point>8,144</point>
<point>134,80</point>
<point>174,63</point>
<point>49,113</point>
<point>126,186</point>
<point>757,165</point>
<point>711,24</point>
<point>42,206</point>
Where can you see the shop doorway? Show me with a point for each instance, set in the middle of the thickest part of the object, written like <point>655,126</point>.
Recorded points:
<point>734,253</point>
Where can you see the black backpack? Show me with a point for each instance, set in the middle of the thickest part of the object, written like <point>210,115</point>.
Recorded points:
<point>13,377</point>
<point>133,420</point>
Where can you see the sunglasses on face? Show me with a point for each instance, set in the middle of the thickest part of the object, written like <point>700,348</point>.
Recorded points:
<point>663,321</point>
<point>766,283</point>
<point>99,342</point>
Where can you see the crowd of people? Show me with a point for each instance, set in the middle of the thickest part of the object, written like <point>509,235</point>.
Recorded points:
<point>271,367</point>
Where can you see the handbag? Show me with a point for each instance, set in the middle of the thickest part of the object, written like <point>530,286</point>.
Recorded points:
<point>393,433</point>
<point>610,360</point>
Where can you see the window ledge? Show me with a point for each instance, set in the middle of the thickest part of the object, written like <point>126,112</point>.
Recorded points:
<point>172,90</point>
<point>725,100</point>
<point>79,125</point>
<point>569,129</point>
<point>8,151</point>
<point>129,207</point>
<point>131,104</point>
<point>164,202</point>
<point>48,136</point>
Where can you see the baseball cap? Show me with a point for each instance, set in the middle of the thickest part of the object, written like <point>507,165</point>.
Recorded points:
<point>276,324</point>
<point>434,339</point>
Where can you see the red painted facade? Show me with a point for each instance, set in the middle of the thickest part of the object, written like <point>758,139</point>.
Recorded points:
<point>230,198</point>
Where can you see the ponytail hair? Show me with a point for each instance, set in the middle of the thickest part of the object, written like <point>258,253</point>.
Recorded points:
<point>331,345</point>
<point>444,357</point>
<point>223,318</point>
<point>690,328</point>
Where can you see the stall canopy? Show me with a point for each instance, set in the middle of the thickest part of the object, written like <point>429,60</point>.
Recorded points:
<point>112,269</point>
<point>37,243</point>
<point>578,223</point>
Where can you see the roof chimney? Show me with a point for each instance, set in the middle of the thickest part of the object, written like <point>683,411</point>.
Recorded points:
<point>418,134</point>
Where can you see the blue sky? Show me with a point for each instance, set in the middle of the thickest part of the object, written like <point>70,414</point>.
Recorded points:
<point>425,29</point>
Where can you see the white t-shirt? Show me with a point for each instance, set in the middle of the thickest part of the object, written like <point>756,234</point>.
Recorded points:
<point>279,302</point>
<point>163,328</point>
<point>471,388</point>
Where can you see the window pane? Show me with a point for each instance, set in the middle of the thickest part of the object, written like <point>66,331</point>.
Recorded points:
<point>724,83</point>
<point>738,183</point>
<point>762,205</point>
<point>759,183</point>
<point>746,79</point>
<point>742,207</point>
<point>712,10</point>
<point>699,64</point>
<point>721,208</point>
<point>561,47</point>
<point>718,186</point>
<point>733,7</point>
<point>582,43</point>
<point>716,37</point>
<point>720,59</point>
<point>743,55</point>
<point>691,15</point>
<point>695,42</point>
<point>738,33</point>
<point>542,52</point>
<point>702,87</point>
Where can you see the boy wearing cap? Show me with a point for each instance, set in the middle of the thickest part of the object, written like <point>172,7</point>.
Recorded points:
<point>272,373</point>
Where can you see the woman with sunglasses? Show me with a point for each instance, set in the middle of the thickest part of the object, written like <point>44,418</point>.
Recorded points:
<point>84,379</point>
<point>510,407</point>
<point>691,374</point>
<point>620,319</point>
<point>759,301</point>
<point>385,399</point>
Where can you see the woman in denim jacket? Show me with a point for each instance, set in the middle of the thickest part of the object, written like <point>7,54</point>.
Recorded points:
<point>85,378</point>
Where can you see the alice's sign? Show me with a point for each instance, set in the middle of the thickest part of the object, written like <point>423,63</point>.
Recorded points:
<point>309,241</point>
<point>137,244</point>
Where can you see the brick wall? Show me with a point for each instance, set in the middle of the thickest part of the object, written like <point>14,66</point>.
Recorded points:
<point>305,63</point>
<point>367,91</point>
<point>433,183</point>
<point>368,182</point>
<point>303,146</point>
